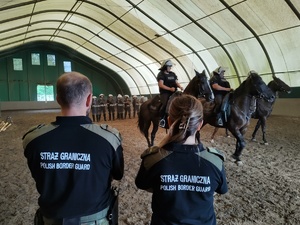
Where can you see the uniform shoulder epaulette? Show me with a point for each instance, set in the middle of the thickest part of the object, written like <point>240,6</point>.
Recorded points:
<point>150,151</point>
<point>216,152</point>
<point>33,128</point>
<point>111,130</point>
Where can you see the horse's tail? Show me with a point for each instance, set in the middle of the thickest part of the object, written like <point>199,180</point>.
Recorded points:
<point>141,119</point>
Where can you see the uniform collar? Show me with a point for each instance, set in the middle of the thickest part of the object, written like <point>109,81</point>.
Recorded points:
<point>72,120</point>
<point>177,147</point>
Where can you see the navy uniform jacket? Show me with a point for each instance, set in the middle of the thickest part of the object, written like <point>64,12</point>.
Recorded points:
<point>73,162</point>
<point>169,80</point>
<point>183,182</point>
<point>216,79</point>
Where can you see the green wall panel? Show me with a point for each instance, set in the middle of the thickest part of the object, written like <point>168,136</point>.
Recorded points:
<point>22,85</point>
<point>3,91</point>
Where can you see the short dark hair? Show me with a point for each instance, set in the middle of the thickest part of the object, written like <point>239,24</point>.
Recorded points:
<point>71,88</point>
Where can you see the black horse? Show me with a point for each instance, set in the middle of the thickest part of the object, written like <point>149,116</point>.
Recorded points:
<point>264,108</point>
<point>239,110</point>
<point>149,110</point>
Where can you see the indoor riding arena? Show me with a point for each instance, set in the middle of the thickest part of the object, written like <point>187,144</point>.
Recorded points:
<point>121,46</point>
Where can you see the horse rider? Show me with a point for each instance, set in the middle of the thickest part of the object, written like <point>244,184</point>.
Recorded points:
<point>167,83</point>
<point>220,87</point>
<point>102,106</point>
<point>111,104</point>
<point>127,106</point>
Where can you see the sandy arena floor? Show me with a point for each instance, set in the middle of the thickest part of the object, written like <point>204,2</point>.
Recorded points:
<point>264,190</point>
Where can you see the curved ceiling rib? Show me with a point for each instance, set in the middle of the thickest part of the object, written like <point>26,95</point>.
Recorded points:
<point>140,33</point>
<point>132,37</point>
<point>167,31</point>
<point>252,31</point>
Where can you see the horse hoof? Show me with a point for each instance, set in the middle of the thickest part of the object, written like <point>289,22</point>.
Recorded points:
<point>237,158</point>
<point>239,163</point>
<point>228,136</point>
<point>212,141</point>
<point>253,139</point>
<point>266,143</point>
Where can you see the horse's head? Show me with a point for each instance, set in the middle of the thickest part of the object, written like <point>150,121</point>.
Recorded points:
<point>278,85</point>
<point>204,88</point>
<point>259,87</point>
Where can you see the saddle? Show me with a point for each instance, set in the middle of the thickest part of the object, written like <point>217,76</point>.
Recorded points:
<point>226,106</point>
<point>154,105</point>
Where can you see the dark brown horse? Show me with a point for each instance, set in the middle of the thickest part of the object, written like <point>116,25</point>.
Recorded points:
<point>264,108</point>
<point>149,110</point>
<point>239,111</point>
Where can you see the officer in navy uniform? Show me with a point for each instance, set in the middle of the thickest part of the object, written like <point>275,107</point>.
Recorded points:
<point>94,108</point>
<point>102,106</point>
<point>120,107</point>
<point>127,106</point>
<point>167,83</point>
<point>111,106</point>
<point>220,88</point>
<point>73,160</point>
<point>180,172</point>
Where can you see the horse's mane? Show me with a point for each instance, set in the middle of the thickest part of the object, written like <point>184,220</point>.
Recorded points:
<point>240,89</point>
<point>190,87</point>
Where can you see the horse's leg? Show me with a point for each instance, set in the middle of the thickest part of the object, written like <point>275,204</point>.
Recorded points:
<point>146,132</point>
<point>226,132</point>
<point>213,134</point>
<point>239,146</point>
<point>263,129</point>
<point>154,130</point>
<point>255,130</point>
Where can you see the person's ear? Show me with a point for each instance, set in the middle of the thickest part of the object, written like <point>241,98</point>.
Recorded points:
<point>57,99</point>
<point>200,125</point>
<point>89,100</point>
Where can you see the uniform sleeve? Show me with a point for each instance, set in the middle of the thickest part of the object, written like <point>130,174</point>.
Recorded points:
<point>142,180</point>
<point>160,76</point>
<point>118,164</point>
<point>222,188</point>
<point>213,80</point>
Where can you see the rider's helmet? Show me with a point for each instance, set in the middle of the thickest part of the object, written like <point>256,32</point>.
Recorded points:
<point>220,69</point>
<point>101,95</point>
<point>165,64</point>
<point>126,96</point>
<point>119,96</point>
<point>110,95</point>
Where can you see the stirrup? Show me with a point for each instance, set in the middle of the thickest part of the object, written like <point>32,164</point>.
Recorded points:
<point>220,122</point>
<point>162,123</point>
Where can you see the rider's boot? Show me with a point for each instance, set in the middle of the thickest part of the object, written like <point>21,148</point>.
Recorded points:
<point>219,120</point>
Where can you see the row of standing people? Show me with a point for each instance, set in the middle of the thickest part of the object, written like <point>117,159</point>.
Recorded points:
<point>120,106</point>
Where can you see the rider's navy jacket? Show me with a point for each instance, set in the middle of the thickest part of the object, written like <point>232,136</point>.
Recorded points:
<point>169,80</point>
<point>73,162</point>
<point>216,79</point>
<point>183,179</point>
